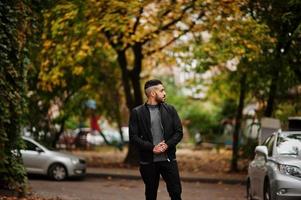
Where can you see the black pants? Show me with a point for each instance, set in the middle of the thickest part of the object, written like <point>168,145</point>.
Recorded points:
<point>150,174</point>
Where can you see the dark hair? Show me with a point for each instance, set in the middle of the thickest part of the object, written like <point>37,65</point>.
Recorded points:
<point>151,83</point>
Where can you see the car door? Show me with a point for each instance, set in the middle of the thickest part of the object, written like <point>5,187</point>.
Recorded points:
<point>34,158</point>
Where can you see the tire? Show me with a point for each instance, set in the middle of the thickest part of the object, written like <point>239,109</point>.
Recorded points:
<point>57,172</point>
<point>249,195</point>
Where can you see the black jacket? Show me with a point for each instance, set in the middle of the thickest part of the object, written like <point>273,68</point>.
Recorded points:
<point>140,130</point>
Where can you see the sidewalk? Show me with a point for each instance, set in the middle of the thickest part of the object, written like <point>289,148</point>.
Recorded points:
<point>230,178</point>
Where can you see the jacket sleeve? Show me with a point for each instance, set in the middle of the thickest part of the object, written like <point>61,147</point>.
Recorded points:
<point>133,133</point>
<point>178,130</point>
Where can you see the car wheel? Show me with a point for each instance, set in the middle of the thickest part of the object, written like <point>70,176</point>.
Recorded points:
<point>267,190</point>
<point>249,194</point>
<point>57,172</point>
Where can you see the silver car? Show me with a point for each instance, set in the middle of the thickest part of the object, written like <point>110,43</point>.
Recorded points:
<point>38,159</point>
<point>275,172</point>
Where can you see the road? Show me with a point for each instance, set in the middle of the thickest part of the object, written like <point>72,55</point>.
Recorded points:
<point>120,189</point>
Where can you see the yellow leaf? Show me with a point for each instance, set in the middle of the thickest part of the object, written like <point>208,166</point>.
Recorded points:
<point>78,70</point>
<point>47,44</point>
<point>81,55</point>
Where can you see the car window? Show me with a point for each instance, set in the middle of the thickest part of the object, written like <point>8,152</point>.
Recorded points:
<point>30,146</point>
<point>289,144</point>
<point>265,143</point>
<point>270,145</point>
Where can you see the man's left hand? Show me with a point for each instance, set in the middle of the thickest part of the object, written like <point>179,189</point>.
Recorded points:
<point>163,146</point>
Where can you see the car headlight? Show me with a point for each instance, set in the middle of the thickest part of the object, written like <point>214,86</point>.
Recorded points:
<point>74,161</point>
<point>290,170</point>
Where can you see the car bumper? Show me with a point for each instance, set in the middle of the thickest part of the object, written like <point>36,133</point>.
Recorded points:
<point>288,187</point>
<point>77,170</point>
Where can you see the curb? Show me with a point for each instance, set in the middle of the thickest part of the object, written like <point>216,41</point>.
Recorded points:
<point>109,175</point>
<point>184,179</point>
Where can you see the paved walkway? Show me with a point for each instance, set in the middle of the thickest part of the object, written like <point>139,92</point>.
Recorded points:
<point>230,178</point>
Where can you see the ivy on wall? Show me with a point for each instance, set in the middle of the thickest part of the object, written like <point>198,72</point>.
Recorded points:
<point>14,22</point>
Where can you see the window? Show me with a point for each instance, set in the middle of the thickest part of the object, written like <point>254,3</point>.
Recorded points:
<point>270,145</point>
<point>266,141</point>
<point>30,146</point>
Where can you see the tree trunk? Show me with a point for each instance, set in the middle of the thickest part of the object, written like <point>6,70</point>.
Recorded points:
<point>273,88</point>
<point>275,76</point>
<point>272,95</point>
<point>238,120</point>
<point>131,102</point>
<point>133,156</point>
<point>135,74</point>
<point>122,61</point>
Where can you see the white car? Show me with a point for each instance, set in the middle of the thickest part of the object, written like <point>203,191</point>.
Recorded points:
<point>275,172</point>
<point>37,159</point>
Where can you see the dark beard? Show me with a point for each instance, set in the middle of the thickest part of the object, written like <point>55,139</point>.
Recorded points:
<point>159,100</point>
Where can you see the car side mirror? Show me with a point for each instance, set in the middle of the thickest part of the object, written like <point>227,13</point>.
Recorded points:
<point>39,150</point>
<point>262,150</point>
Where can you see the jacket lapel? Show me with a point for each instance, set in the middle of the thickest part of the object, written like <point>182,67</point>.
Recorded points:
<point>163,117</point>
<point>147,122</point>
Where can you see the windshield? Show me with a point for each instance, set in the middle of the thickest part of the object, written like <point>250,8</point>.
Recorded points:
<point>289,144</point>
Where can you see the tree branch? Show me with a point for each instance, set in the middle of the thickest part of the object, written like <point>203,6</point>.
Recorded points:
<point>166,26</point>
<point>137,21</point>
<point>177,37</point>
<point>167,44</point>
<point>112,43</point>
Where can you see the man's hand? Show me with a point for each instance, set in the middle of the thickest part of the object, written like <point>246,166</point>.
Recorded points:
<point>163,146</point>
<point>160,148</point>
<point>157,149</point>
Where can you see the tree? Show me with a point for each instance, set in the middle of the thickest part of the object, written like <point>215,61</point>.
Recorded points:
<point>236,37</point>
<point>259,48</point>
<point>18,21</point>
<point>14,32</point>
<point>140,29</point>
<point>70,66</point>
<point>283,19</point>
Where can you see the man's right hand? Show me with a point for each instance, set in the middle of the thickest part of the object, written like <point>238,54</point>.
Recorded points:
<point>160,148</point>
